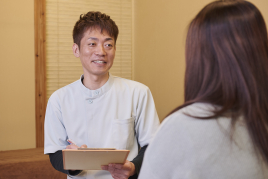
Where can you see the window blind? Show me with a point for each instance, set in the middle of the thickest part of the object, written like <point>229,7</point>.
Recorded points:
<point>61,65</point>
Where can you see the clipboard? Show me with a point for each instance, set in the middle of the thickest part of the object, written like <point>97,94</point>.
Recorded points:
<point>92,159</point>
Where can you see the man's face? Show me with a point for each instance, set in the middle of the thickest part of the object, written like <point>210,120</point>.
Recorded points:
<point>97,52</point>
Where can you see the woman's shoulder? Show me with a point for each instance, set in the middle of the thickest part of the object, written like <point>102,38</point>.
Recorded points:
<point>192,113</point>
<point>188,121</point>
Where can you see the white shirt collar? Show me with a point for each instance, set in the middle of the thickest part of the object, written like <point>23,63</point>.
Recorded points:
<point>92,94</point>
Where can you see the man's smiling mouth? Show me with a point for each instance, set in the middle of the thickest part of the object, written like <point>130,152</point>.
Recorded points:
<point>99,61</point>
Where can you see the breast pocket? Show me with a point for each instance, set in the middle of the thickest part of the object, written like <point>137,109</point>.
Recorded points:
<point>124,133</point>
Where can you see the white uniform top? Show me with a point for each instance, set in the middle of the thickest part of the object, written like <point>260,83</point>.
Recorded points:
<point>121,114</point>
<point>189,148</point>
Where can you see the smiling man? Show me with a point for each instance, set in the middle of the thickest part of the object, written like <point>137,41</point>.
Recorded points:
<point>100,110</point>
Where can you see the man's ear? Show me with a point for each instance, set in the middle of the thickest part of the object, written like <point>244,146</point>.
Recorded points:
<point>76,50</point>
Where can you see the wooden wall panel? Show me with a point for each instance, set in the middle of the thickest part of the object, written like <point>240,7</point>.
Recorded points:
<point>40,70</point>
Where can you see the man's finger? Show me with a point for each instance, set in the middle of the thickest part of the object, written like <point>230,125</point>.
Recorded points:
<point>111,168</point>
<point>71,146</point>
<point>120,175</point>
<point>118,166</point>
<point>104,167</point>
<point>84,146</point>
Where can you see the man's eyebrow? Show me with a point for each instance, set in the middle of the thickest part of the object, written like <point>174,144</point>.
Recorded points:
<point>94,38</point>
<point>108,39</point>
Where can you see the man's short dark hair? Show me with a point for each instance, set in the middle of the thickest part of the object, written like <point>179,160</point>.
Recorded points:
<point>94,20</point>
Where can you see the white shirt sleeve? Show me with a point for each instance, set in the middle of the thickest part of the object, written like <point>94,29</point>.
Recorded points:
<point>55,133</point>
<point>146,119</point>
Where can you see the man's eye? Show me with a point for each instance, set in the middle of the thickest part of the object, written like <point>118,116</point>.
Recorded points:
<point>91,44</point>
<point>108,45</point>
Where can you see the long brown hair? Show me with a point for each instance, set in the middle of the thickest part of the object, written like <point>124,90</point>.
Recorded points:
<point>227,65</point>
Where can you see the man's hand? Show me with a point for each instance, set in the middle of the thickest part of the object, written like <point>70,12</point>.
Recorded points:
<point>120,171</point>
<point>72,146</point>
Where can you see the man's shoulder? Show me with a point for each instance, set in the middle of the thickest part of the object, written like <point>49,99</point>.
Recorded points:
<point>65,90</point>
<point>129,83</point>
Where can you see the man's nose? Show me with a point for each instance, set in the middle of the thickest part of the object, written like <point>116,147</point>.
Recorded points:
<point>100,50</point>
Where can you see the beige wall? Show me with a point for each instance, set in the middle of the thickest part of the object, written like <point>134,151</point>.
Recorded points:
<point>160,28</point>
<point>17,112</point>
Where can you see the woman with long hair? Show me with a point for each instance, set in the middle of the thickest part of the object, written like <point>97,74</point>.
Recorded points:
<point>221,130</point>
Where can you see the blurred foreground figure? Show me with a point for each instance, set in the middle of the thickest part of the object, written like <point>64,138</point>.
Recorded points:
<point>221,130</point>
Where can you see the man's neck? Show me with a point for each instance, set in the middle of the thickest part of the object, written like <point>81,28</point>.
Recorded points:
<point>94,82</point>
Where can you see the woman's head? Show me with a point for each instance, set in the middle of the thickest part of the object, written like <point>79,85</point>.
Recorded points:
<point>227,64</point>
<point>226,54</point>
